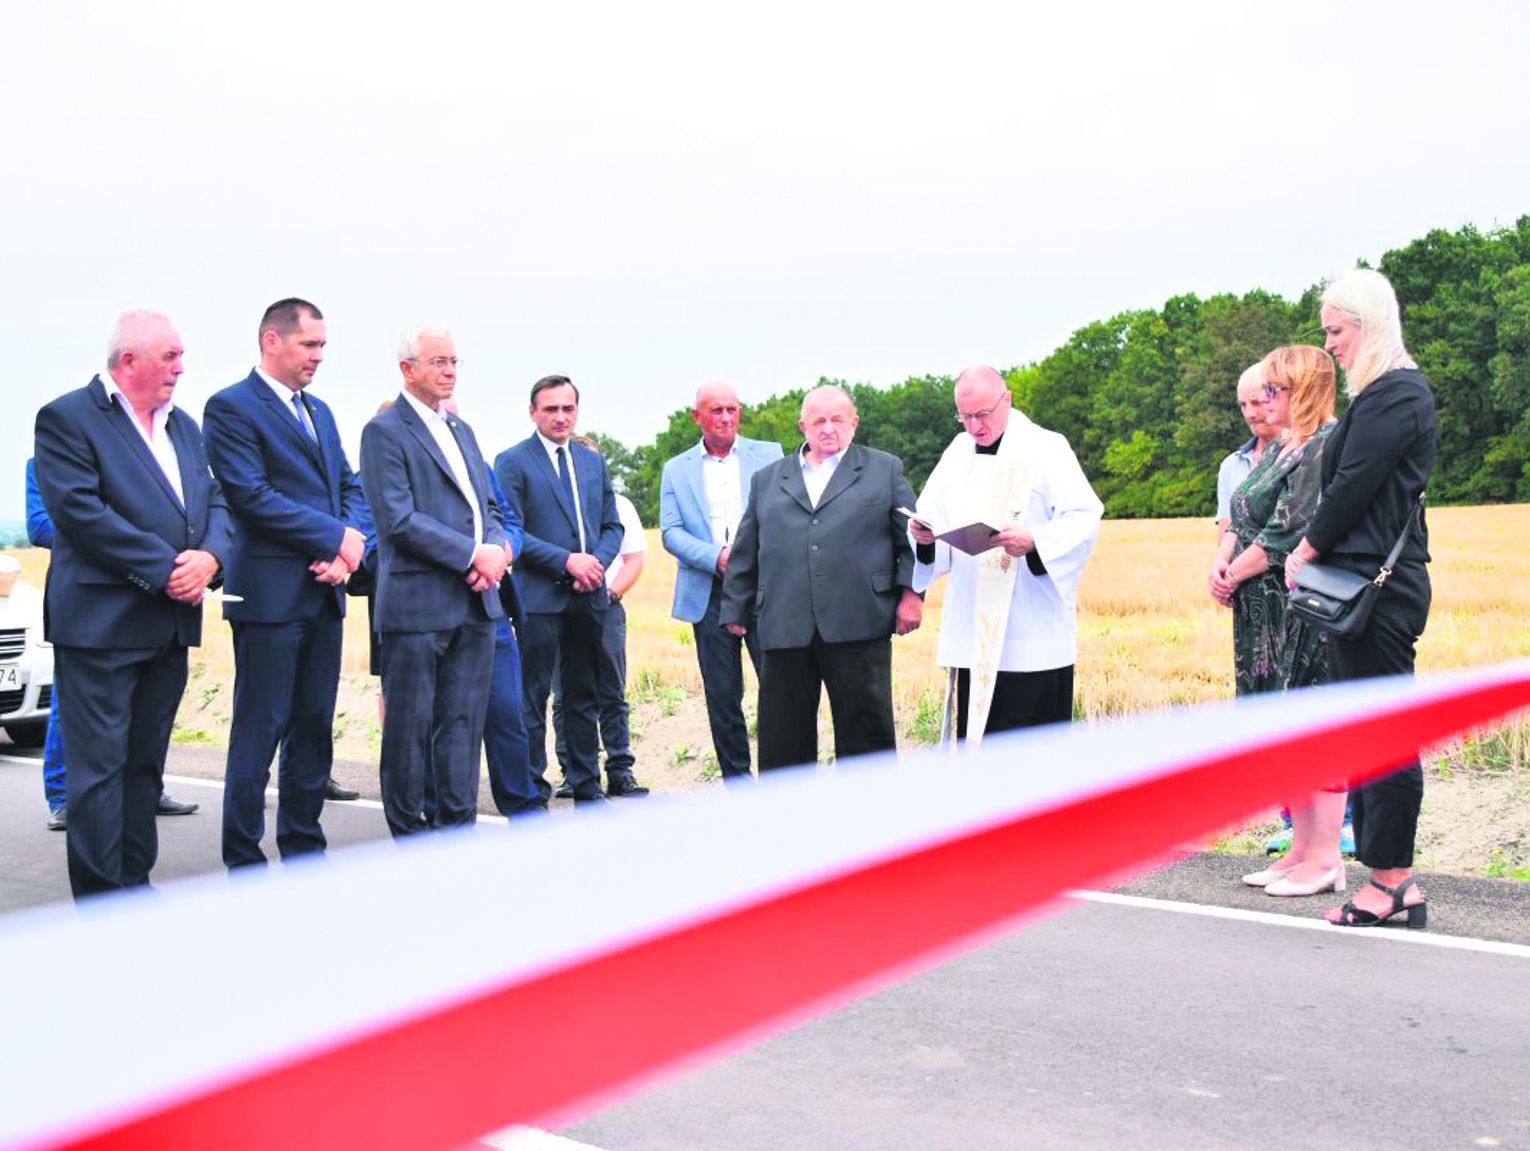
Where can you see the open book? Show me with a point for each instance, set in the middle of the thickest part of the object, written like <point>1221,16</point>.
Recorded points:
<point>972,538</point>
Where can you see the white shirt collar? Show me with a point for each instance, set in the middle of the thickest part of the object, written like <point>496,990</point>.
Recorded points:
<point>160,414</point>
<point>731,453</point>
<point>829,462</point>
<point>551,447</point>
<point>283,392</point>
<point>426,412</point>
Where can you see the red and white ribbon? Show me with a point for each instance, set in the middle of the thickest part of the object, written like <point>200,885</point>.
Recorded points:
<point>468,982</point>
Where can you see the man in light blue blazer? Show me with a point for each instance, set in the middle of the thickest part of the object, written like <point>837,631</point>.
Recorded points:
<point>701,500</point>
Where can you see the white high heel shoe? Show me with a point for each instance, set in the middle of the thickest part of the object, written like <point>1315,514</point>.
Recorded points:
<point>1331,881</point>
<point>1266,877</point>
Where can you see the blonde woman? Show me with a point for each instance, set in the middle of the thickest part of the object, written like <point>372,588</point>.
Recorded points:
<point>1270,512</point>
<point>1376,465</point>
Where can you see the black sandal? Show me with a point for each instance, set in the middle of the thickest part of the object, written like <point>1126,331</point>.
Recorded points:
<point>1418,913</point>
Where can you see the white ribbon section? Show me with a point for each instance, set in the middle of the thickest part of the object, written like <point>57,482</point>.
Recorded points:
<point>304,957</point>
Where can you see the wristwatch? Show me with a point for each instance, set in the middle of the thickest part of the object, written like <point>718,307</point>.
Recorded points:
<point>616,596</point>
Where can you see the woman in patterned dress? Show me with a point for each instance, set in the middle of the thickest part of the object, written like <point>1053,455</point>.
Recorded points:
<point>1271,650</point>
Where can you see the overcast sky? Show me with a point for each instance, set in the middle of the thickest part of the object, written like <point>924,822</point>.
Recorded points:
<point>648,196</point>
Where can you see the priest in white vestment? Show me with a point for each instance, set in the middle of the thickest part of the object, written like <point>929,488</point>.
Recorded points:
<point>1007,623</point>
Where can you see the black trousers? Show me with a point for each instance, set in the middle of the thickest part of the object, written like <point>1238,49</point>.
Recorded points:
<point>1385,810</point>
<point>719,653</point>
<point>122,706</point>
<point>570,642</point>
<point>858,676</point>
<point>1020,699</point>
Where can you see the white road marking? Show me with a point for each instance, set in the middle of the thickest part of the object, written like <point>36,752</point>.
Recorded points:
<point>530,1139</point>
<point>271,793</point>
<point>1397,934</point>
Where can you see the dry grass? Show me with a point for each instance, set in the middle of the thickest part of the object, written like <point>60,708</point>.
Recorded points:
<point>1149,636</point>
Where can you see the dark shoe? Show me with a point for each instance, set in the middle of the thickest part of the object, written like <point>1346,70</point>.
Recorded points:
<point>565,791</point>
<point>625,785</point>
<point>168,806</point>
<point>334,791</point>
<point>1351,916</point>
<point>56,820</point>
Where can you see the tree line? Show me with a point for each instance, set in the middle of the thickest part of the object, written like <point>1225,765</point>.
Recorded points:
<point>1147,400</point>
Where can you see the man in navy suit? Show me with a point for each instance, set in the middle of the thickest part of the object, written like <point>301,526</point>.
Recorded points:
<point>442,553</point>
<point>140,531</point>
<point>701,501</point>
<point>298,513</point>
<point>567,508</point>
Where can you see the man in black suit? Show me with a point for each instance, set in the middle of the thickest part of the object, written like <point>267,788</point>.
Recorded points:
<point>823,556</point>
<point>441,556</point>
<point>298,513</point>
<point>563,495</point>
<point>140,529</point>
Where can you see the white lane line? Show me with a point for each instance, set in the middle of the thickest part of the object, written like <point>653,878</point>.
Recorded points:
<point>1391,934</point>
<point>271,793</point>
<point>530,1139</point>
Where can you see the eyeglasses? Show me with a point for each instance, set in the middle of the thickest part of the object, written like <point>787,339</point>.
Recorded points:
<point>965,418</point>
<point>438,362</point>
<point>1273,390</point>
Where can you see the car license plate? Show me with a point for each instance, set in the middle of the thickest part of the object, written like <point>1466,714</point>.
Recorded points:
<point>10,677</point>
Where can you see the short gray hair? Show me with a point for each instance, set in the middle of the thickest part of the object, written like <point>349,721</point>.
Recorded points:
<point>409,342</point>
<point>128,333</point>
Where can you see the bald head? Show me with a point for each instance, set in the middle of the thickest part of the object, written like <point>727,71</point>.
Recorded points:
<point>717,414</point>
<point>982,403</point>
<point>1251,402</point>
<point>1251,382</point>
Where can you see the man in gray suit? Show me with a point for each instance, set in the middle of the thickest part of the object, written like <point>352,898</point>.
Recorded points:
<point>823,557</point>
<point>442,552</point>
<point>701,501</point>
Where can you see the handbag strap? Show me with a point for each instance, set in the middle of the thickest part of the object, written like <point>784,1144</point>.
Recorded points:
<point>1391,560</point>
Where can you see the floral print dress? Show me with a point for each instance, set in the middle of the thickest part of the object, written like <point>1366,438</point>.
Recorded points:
<point>1272,508</point>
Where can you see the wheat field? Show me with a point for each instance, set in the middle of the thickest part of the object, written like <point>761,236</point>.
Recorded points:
<point>1149,635</point>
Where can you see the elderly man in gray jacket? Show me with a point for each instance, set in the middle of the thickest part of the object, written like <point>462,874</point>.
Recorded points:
<point>822,555</point>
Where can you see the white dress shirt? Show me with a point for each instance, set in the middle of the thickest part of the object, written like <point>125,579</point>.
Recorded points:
<point>568,454</point>
<point>725,494</point>
<point>634,542</point>
<point>442,434</point>
<point>157,437</point>
<point>817,476</point>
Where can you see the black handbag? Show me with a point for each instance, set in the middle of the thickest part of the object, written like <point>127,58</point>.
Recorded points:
<point>1340,601</point>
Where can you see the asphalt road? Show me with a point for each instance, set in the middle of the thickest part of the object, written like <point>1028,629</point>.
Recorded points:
<point>1196,1013</point>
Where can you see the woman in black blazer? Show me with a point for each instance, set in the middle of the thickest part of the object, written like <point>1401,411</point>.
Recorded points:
<point>1375,465</point>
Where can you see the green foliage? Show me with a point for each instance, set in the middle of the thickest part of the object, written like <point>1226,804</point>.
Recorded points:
<point>1147,398</point>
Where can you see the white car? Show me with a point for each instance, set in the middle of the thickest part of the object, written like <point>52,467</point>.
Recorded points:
<point>26,667</point>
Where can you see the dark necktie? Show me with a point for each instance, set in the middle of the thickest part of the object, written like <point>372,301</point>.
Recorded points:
<point>302,416</point>
<point>566,479</point>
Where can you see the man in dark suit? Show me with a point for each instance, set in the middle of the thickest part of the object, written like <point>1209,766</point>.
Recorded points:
<point>140,529</point>
<point>441,555</point>
<point>701,502</point>
<point>822,556</point>
<point>567,508</point>
<point>297,510</point>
